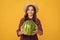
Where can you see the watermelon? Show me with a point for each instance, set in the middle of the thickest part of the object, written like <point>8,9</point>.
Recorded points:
<point>28,27</point>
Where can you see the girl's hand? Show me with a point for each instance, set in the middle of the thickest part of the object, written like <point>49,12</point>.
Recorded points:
<point>36,31</point>
<point>20,32</point>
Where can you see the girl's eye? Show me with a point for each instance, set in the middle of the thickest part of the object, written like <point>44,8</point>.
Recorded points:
<point>30,10</point>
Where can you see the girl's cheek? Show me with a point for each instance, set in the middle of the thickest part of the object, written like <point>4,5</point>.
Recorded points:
<point>27,12</point>
<point>32,12</point>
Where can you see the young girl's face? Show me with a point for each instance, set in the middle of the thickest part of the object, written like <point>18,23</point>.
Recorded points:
<point>30,11</point>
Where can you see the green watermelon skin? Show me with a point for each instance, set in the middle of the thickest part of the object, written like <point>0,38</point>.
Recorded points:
<point>28,27</point>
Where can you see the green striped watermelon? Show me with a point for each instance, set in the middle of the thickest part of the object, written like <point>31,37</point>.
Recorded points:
<point>28,27</point>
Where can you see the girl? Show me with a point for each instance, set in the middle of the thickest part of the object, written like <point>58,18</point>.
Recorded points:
<point>30,14</point>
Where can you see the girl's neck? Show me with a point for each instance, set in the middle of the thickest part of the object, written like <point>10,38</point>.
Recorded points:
<point>30,17</point>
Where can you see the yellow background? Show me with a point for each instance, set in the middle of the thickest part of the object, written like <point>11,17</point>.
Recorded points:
<point>11,11</point>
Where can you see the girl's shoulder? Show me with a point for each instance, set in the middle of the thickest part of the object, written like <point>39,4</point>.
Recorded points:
<point>37,19</point>
<point>22,19</point>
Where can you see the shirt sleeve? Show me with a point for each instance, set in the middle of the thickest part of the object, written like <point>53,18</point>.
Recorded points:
<point>39,25</point>
<point>20,24</point>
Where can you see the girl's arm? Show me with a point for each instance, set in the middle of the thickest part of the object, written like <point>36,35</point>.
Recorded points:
<point>40,30</point>
<point>19,32</point>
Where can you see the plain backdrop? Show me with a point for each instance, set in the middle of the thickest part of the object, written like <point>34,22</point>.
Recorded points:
<point>11,11</point>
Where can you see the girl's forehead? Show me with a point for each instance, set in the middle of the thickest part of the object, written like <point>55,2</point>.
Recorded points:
<point>31,7</point>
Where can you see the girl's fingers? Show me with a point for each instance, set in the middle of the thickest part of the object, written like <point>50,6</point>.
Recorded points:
<point>21,28</point>
<point>36,27</point>
<point>33,33</point>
